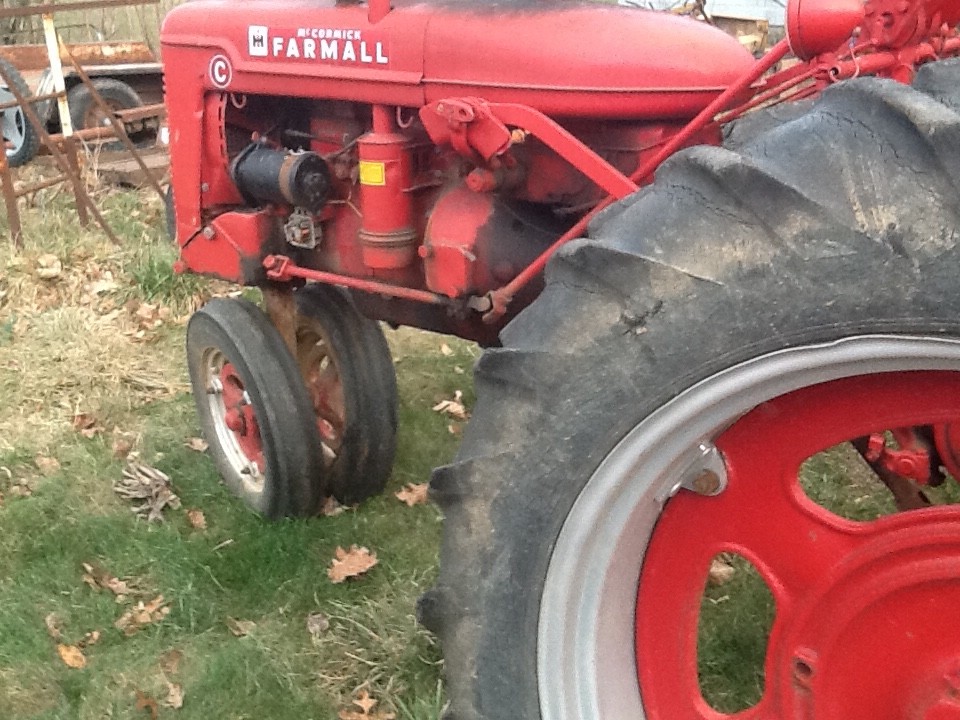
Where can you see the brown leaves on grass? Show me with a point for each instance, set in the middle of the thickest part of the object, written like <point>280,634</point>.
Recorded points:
<point>174,696</point>
<point>240,628</point>
<point>86,424</point>
<point>367,709</point>
<point>197,444</point>
<point>413,494</point>
<point>142,482</point>
<point>454,408</point>
<point>72,656</point>
<point>48,267</point>
<point>331,507</point>
<point>145,702</point>
<point>197,519</point>
<point>721,572</point>
<point>46,465</point>
<point>350,563</point>
<point>54,626</point>
<point>142,615</point>
<point>99,579</point>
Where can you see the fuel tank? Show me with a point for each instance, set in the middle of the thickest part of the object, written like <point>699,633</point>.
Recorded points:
<point>566,59</point>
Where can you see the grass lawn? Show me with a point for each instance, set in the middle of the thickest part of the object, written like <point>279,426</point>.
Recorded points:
<point>235,617</point>
<point>92,375</point>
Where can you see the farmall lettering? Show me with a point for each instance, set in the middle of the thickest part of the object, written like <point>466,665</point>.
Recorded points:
<point>335,45</point>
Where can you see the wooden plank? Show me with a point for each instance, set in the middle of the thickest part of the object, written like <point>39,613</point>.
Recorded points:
<point>127,171</point>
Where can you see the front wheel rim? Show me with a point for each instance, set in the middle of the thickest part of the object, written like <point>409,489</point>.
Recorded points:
<point>234,421</point>
<point>590,591</point>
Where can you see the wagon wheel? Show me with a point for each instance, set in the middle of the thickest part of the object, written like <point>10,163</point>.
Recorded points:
<point>20,139</point>
<point>253,410</point>
<point>351,383</point>
<point>86,113</point>
<point>746,312</point>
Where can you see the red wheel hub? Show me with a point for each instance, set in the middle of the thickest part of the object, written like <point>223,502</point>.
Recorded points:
<point>866,626</point>
<point>239,416</point>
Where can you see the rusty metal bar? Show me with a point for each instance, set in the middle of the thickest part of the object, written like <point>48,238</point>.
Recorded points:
<point>33,99</point>
<point>79,191</point>
<point>29,10</point>
<point>10,198</point>
<point>63,163</point>
<point>117,125</point>
<point>37,186</point>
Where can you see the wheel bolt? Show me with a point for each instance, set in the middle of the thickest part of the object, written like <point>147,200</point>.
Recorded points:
<point>234,420</point>
<point>706,483</point>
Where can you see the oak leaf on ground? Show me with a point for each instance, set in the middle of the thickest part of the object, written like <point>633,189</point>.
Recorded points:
<point>142,615</point>
<point>413,494</point>
<point>145,702</point>
<point>72,656</point>
<point>454,408</point>
<point>367,709</point>
<point>240,628</point>
<point>174,696</point>
<point>197,519</point>
<point>350,563</point>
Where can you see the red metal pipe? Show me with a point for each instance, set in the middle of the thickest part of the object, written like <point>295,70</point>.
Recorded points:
<point>283,269</point>
<point>500,298</point>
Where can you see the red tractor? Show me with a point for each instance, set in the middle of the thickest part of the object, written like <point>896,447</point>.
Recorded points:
<point>663,355</point>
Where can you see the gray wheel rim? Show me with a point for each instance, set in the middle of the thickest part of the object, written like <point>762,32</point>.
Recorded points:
<point>586,664</point>
<point>244,474</point>
<point>13,123</point>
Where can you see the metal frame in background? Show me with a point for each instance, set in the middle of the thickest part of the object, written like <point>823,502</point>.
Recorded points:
<point>63,147</point>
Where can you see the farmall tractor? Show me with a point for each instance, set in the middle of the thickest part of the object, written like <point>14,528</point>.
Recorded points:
<point>664,354</point>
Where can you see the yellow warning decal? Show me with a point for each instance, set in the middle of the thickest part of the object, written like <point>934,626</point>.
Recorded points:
<point>373,173</point>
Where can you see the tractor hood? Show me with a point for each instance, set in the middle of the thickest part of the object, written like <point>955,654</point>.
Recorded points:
<point>565,59</point>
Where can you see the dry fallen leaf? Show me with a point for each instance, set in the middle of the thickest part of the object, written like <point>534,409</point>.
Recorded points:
<point>453,408</point>
<point>86,424</point>
<point>198,444</point>
<point>240,628</point>
<point>721,572</point>
<point>174,696</point>
<point>413,494</point>
<point>317,624</point>
<point>91,638</point>
<point>197,519</point>
<point>331,507</point>
<point>367,709</point>
<point>170,661</point>
<point>98,578</point>
<point>72,656</point>
<point>455,429</point>
<point>53,626</point>
<point>142,615</point>
<point>122,444</point>
<point>350,563</point>
<point>46,465</point>
<point>145,702</point>
<point>49,266</point>
<point>445,350</point>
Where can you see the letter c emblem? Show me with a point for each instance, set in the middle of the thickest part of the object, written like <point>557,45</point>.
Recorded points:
<point>221,73</point>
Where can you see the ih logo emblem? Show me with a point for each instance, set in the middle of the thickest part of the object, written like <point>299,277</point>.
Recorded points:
<point>257,40</point>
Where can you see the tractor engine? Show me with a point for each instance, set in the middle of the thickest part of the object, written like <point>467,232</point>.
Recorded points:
<point>421,147</point>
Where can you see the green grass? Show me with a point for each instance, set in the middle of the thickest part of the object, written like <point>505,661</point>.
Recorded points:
<point>76,351</point>
<point>66,348</point>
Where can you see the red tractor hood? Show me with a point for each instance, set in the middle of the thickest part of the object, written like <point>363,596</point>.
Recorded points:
<point>565,59</point>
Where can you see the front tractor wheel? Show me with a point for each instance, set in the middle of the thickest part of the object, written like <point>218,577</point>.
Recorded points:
<point>253,410</point>
<point>351,384</point>
<point>774,337</point>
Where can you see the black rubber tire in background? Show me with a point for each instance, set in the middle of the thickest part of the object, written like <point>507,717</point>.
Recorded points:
<point>358,349</point>
<point>117,94</point>
<point>29,140</point>
<point>294,482</point>
<point>837,224</point>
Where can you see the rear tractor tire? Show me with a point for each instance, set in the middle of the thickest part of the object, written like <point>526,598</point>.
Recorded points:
<point>21,141</point>
<point>352,387</point>
<point>747,311</point>
<point>254,411</point>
